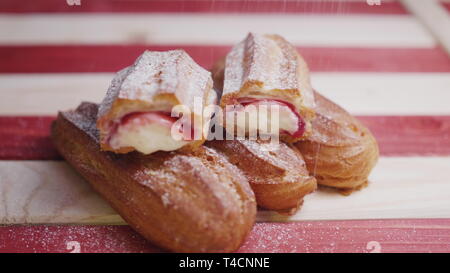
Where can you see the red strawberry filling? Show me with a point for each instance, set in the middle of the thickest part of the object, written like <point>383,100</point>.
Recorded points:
<point>149,132</point>
<point>141,118</point>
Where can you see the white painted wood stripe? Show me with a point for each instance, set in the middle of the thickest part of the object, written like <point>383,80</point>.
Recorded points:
<point>401,187</point>
<point>433,15</point>
<point>387,93</point>
<point>45,94</point>
<point>360,93</point>
<point>217,29</point>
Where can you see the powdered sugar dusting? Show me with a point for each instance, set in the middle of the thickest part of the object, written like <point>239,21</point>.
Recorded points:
<point>154,73</point>
<point>266,59</point>
<point>113,91</point>
<point>422,235</point>
<point>279,155</point>
<point>73,239</point>
<point>84,118</point>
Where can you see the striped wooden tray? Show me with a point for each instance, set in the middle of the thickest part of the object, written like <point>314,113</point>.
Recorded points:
<point>388,64</point>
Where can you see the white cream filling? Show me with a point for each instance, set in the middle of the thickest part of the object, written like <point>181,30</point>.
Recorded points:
<point>288,120</point>
<point>262,117</point>
<point>145,138</point>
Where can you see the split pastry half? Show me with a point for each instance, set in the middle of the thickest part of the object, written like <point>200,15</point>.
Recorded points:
<point>193,201</point>
<point>341,151</point>
<point>266,70</point>
<point>277,172</point>
<point>136,112</point>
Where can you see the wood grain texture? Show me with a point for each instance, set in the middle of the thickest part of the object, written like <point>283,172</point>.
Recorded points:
<point>408,235</point>
<point>48,192</point>
<point>27,137</point>
<point>426,93</point>
<point>201,6</point>
<point>112,58</point>
<point>214,29</point>
<point>400,187</point>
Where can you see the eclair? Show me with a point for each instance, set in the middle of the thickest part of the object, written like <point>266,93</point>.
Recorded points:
<point>266,71</point>
<point>136,113</point>
<point>183,201</point>
<point>276,172</point>
<point>341,151</point>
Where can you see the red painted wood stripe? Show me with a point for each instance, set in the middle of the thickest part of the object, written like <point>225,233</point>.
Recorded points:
<point>201,6</point>
<point>27,138</point>
<point>111,58</point>
<point>411,135</point>
<point>446,5</point>
<point>426,235</point>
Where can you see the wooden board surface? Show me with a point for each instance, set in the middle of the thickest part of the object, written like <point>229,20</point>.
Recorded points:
<point>427,93</point>
<point>314,30</point>
<point>401,187</point>
<point>388,68</point>
<point>363,236</point>
<point>111,58</point>
<point>28,137</point>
